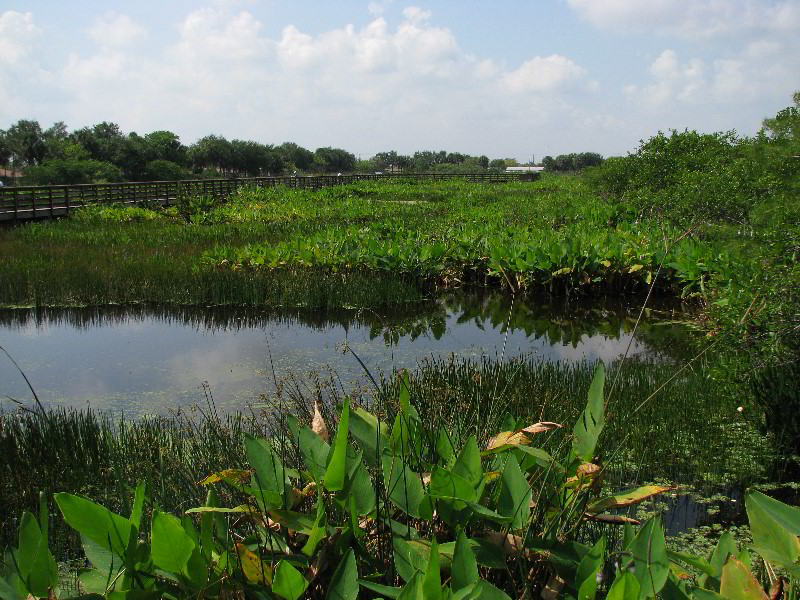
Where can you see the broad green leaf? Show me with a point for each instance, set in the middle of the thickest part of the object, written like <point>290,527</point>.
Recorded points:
<point>649,551</point>
<point>365,429</point>
<point>315,452</point>
<point>487,554</point>
<point>318,530</point>
<point>588,589</point>
<point>413,589</point>
<point>403,485</point>
<point>269,476</point>
<point>468,463</point>
<point>515,494</point>
<point>725,547</point>
<point>486,591</point>
<point>171,545</point>
<point>788,517</point>
<point>432,582</point>
<point>7,592</point>
<point>449,485</point>
<point>336,471</point>
<point>738,583</point>
<point>625,587</point>
<point>626,498</point>
<point>591,563</point>
<point>95,522</point>
<point>344,583</point>
<point>37,567</point>
<point>590,424</point>
<point>138,504</point>
<point>465,568</point>
<point>444,447</point>
<point>288,582</point>
<point>407,560</point>
<point>775,528</point>
<point>359,486</point>
<point>101,557</point>
<point>383,590</point>
<point>675,589</point>
<point>539,458</point>
<point>701,564</point>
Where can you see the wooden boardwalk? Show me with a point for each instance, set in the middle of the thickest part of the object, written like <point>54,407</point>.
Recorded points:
<point>24,203</point>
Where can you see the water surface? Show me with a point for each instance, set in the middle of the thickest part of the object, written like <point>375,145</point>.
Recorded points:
<point>150,359</point>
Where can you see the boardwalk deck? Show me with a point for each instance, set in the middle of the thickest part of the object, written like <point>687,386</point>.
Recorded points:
<point>23,203</point>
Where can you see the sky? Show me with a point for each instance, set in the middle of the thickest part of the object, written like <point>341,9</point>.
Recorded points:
<point>503,78</point>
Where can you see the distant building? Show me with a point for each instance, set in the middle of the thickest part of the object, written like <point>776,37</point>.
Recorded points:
<point>529,169</point>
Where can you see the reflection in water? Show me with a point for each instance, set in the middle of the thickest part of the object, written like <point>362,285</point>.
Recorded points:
<point>147,359</point>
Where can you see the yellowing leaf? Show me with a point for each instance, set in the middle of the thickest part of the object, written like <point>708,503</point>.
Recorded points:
<point>635,268</point>
<point>738,583</point>
<point>605,263</point>
<point>254,569</point>
<point>237,475</point>
<point>506,438</point>
<point>627,498</point>
<point>519,437</point>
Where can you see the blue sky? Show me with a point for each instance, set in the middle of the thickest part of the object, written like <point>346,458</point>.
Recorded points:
<point>505,79</point>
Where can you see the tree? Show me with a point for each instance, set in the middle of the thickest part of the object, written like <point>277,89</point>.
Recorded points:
<point>164,145</point>
<point>211,151</point>
<point>483,161</point>
<point>291,153</point>
<point>26,143</point>
<point>498,164</point>
<point>334,160</point>
<point>164,170</point>
<point>104,142</point>
<point>59,171</point>
<point>254,159</point>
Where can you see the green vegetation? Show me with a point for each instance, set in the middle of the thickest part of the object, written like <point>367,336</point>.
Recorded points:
<point>365,245</point>
<point>414,509</point>
<point>408,499</point>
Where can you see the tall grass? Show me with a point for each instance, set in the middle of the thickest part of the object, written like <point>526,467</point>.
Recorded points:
<point>691,433</point>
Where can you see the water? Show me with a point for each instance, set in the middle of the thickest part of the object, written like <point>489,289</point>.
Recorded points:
<point>150,359</point>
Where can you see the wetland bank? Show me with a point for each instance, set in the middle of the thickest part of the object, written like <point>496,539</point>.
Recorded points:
<point>382,261</point>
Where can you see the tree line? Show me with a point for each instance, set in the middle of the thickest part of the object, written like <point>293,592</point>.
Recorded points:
<point>104,153</point>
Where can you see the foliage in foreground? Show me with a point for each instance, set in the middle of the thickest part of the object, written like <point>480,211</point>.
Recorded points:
<point>399,513</point>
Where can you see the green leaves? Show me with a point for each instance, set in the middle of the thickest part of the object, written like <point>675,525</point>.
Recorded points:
<point>96,522</point>
<point>335,473</point>
<point>649,550</point>
<point>171,545</point>
<point>403,485</point>
<point>590,424</point>
<point>775,527</point>
<point>464,566</point>
<point>269,476</point>
<point>344,583</point>
<point>288,582</point>
<point>515,494</point>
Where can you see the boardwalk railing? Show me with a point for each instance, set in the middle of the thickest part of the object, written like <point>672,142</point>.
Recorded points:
<point>39,202</point>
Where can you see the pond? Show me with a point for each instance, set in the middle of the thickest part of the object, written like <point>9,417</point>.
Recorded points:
<point>150,359</point>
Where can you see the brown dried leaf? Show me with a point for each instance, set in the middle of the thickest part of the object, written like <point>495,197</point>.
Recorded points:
<point>612,519</point>
<point>318,423</point>
<point>541,427</point>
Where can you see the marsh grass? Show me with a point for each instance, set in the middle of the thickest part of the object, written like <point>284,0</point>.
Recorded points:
<point>362,245</point>
<point>691,433</point>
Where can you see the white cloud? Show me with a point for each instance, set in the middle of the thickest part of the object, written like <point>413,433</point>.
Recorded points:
<point>116,30</point>
<point>543,74</point>
<point>17,34</point>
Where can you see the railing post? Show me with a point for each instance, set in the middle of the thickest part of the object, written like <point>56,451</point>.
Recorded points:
<point>16,204</point>
<point>66,198</point>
